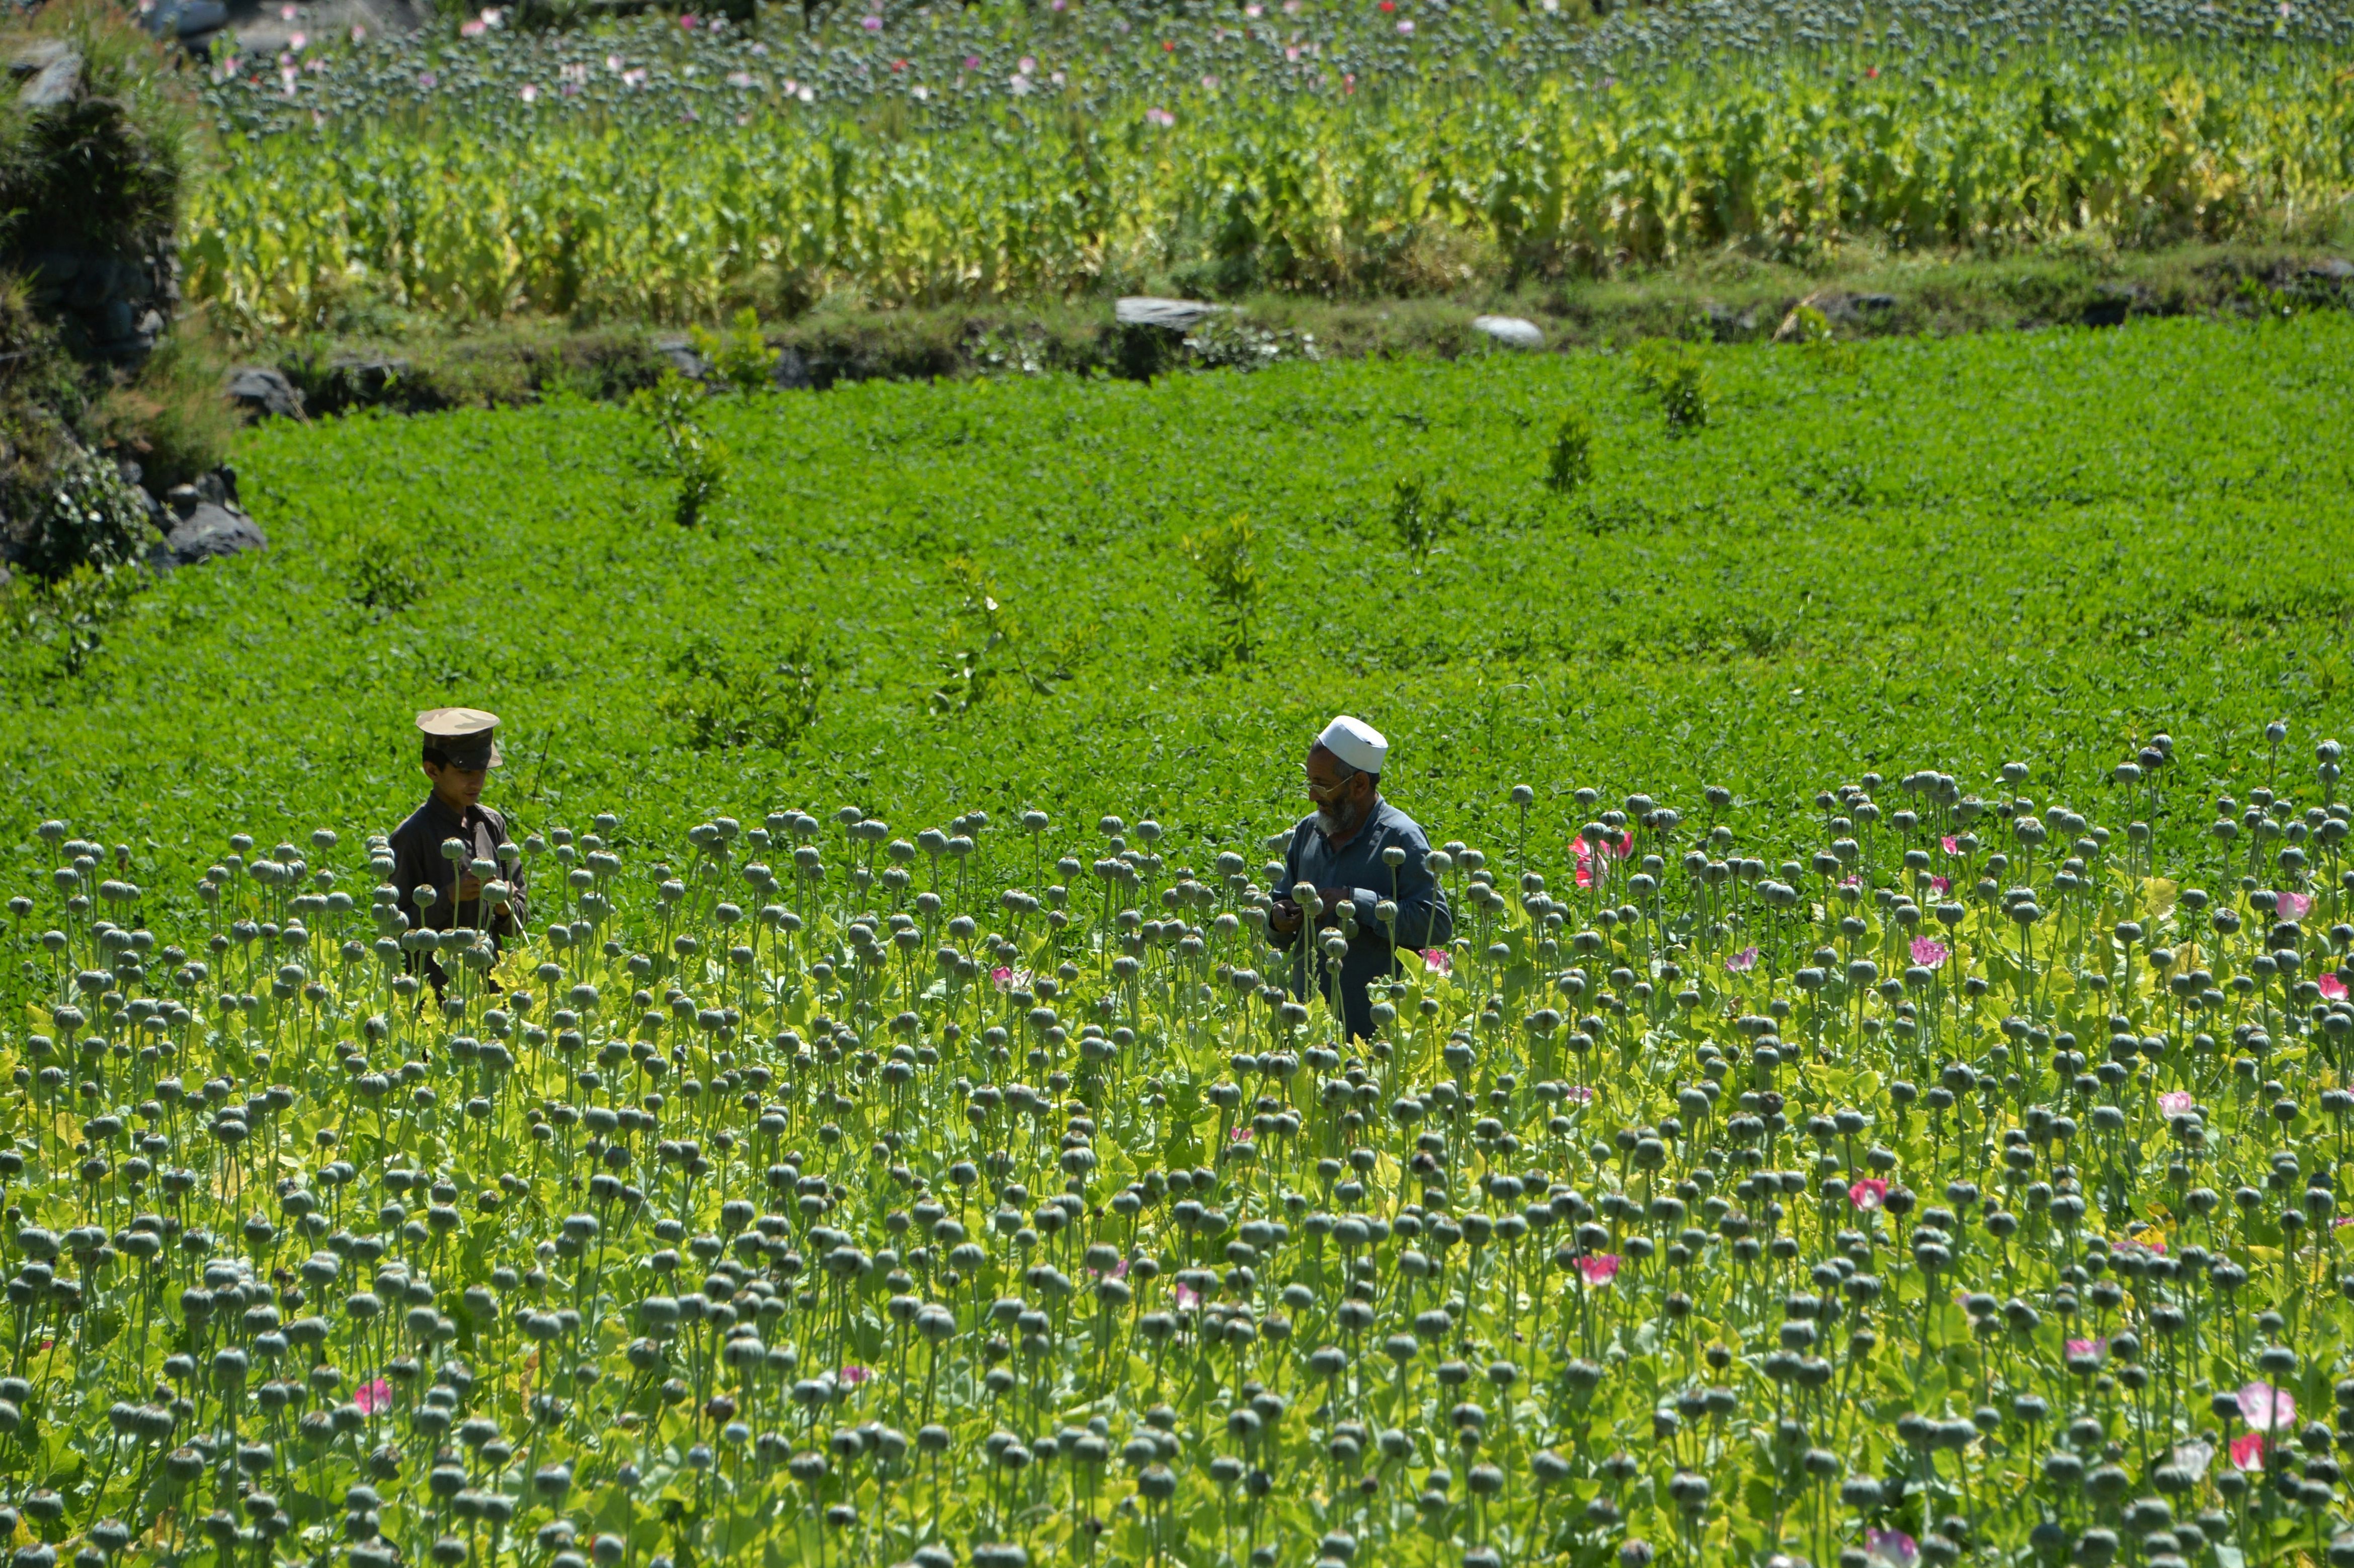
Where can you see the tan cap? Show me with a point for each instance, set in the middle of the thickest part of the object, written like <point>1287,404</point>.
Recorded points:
<point>461,737</point>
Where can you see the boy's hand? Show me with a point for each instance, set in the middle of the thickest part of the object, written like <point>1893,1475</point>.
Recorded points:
<point>470,888</point>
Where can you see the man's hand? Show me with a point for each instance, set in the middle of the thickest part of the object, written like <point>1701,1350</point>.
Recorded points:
<point>469,889</point>
<point>1284,917</point>
<point>1332,898</point>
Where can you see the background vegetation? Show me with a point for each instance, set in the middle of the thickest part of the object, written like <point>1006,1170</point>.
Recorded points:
<point>925,600</point>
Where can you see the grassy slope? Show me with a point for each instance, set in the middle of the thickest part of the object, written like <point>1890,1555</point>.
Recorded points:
<point>2038,546</point>
<point>1728,297</point>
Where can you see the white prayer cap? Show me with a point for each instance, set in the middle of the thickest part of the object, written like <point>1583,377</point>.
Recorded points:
<point>1356,743</point>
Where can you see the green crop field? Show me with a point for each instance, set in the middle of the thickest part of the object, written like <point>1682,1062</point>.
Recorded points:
<point>1880,1100</point>
<point>674,168</point>
<point>1954,553</point>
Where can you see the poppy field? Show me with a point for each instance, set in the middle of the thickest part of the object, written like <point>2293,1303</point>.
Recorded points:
<point>1882,1102</point>
<point>677,168</point>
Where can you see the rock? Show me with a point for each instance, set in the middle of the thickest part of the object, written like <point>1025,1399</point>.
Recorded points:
<point>365,377</point>
<point>50,71</point>
<point>1144,310</point>
<point>206,530</point>
<point>683,358</point>
<point>2114,302</point>
<point>1512,331</point>
<point>263,392</point>
<point>793,372</point>
<point>1726,324</point>
<point>198,18</point>
<point>1838,306</point>
<point>187,19</point>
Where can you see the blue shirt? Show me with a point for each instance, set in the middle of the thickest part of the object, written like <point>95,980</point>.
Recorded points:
<point>1422,920</point>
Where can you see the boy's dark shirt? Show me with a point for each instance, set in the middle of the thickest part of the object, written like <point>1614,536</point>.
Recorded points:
<point>417,860</point>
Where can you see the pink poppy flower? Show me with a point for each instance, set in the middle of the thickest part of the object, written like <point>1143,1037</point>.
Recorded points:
<point>2342,1222</point>
<point>1742,962</point>
<point>688,22</point>
<point>1579,1095</point>
<point>972,62</point>
<point>359,33</point>
<point>1159,117</point>
<point>2293,906</point>
<point>1579,846</point>
<point>1118,1271</point>
<point>372,1397</point>
<point>2194,1456</point>
<point>2265,1408</point>
<point>1869,1193</point>
<point>1599,1268</point>
<point>1026,64</point>
<point>1891,1548</point>
<point>1940,885</point>
<point>1187,1297</point>
<point>472,27</point>
<point>1011,980</point>
<point>2094,1348</point>
<point>1406,29</point>
<point>1928,952</point>
<point>1439,959</point>
<point>2175,1102</point>
<point>872,24</point>
<point>855,1374</point>
<point>529,93</point>
<point>2248,1451</point>
<point>2333,987</point>
<point>1951,847</point>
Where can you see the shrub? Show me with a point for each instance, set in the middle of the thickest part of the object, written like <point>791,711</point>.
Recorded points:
<point>1572,462</point>
<point>738,355</point>
<point>90,517</point>
<point>173,419</point>
<point>1222,552</point>
<point>1678,372</point>
<point>1420,519</point>
<point>690,454</point>
<point>106,168</point>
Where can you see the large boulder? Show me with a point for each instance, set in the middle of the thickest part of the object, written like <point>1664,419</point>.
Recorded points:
<point>1145,310</point>
<point>1512,331</point>
<point>263,392</point>
<point>203,520</point>
<point>210,530</point>
<point>49,70</point>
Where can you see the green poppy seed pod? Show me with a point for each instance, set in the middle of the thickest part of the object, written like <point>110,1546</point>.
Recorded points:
<point>1523,794</point>
<point>452,850</point>
<point>2276,731</point>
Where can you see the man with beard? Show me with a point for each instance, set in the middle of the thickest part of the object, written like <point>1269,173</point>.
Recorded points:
<point>1364,858</point>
